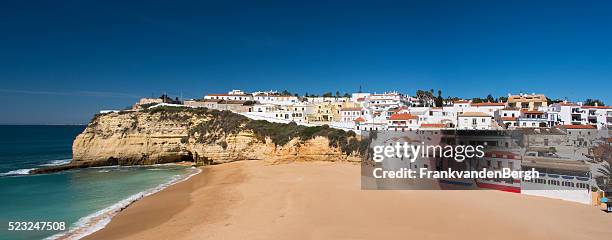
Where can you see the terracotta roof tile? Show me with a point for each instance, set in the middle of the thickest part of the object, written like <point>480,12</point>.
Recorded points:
<point>474,114</point>
<point>402,116</point>
<point>433,125</point>
<point>578,126</point>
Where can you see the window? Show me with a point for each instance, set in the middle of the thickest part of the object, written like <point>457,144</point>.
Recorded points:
<point>582,185</point>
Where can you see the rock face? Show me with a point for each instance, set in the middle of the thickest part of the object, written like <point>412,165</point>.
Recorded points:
<point>151,137</point>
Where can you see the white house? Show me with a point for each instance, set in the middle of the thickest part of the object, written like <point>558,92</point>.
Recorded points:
<point>532,119</point>
<point>600,116</point>
<point>489,108</point>
<point>403,122</point>
<point>276,99</point>
<point>474,121</point>
<point>443,115</point>
<point>232,95</point>
<point>580,135</point>
<point>350,114</point>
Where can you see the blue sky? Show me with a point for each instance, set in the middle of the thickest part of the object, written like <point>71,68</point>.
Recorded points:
<point>61,63</point>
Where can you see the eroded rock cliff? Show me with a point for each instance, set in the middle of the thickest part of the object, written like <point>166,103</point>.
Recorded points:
<point>169,134</point>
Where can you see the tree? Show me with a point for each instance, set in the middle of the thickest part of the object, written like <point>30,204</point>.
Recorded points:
<point>327,94</point>
<point>551,101</point>
<point>593,102</point>
<point>606,171</point>
<point>337,93</point>
<point>490,98</point>
<point>306,94</point>
<point>477,100</point>
<point>286,93</point>
<point>503,99</point>
<point>346,95</point>
<point>439,100</point>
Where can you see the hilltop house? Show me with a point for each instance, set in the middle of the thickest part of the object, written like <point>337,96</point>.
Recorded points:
<point>236,95</point>
<point>580,135</point>
<point>402,122</point>
<point>350,114</point>
<point>235,105</point>
<point>527,101</point>
<point>532,119</point>
<point>474,121</point>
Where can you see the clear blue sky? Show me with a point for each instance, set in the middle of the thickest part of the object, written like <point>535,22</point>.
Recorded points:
<point>62,62</point>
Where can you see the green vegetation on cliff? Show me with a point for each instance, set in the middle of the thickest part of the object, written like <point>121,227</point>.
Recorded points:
<point>223,123</point>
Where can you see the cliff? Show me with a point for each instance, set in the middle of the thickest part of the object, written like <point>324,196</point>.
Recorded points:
<point>171,134</point>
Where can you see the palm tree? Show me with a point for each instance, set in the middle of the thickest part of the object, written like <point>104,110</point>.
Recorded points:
<point>607,172</point>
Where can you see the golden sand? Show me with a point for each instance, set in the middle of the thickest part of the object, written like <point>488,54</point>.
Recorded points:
<point>261,200</point>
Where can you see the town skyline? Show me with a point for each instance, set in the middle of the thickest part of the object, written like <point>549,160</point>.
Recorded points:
<point>124,100</point>
<point>106,59</point>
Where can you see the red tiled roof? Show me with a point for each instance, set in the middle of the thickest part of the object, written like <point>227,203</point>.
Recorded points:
<point>502,154</point>
<point>568,104</point>
<point>433,125</point>
<point>462,101</point>
<point>402,116</point>
<point>578,126</point>
<point>508,119</point>
<point>360,119</point>
<point>597,107</point>
<point>533,112</point>
<point>360,99</point>
<point>474,114</point>
<point>225,94</point>
<point>351,109</point>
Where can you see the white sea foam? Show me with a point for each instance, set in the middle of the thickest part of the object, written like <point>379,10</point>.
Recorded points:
<point>24,171</point>
<point>57,162</point>
<point>98,220</point>
<point>155,169</point>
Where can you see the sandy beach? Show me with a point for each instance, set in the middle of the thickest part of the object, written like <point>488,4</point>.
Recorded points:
<point>323,200</point>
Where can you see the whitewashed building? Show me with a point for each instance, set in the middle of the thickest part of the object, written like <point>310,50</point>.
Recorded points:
<point>474,121</point>
<point>350,114</point>
<point>403,122</point>
<point>235,95</point>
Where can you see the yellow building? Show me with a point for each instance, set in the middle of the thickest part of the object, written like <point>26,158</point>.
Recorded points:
<point>329,111</point>
<point>527,101</point>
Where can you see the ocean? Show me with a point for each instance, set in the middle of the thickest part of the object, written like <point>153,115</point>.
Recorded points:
<point>83,199</point>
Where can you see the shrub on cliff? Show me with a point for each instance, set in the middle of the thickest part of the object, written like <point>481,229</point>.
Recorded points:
<point>281,134</point>
<point>225,123</point>
<point>222,123</point>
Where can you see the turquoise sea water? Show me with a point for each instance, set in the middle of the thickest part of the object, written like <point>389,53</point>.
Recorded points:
<point>84,199</point>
